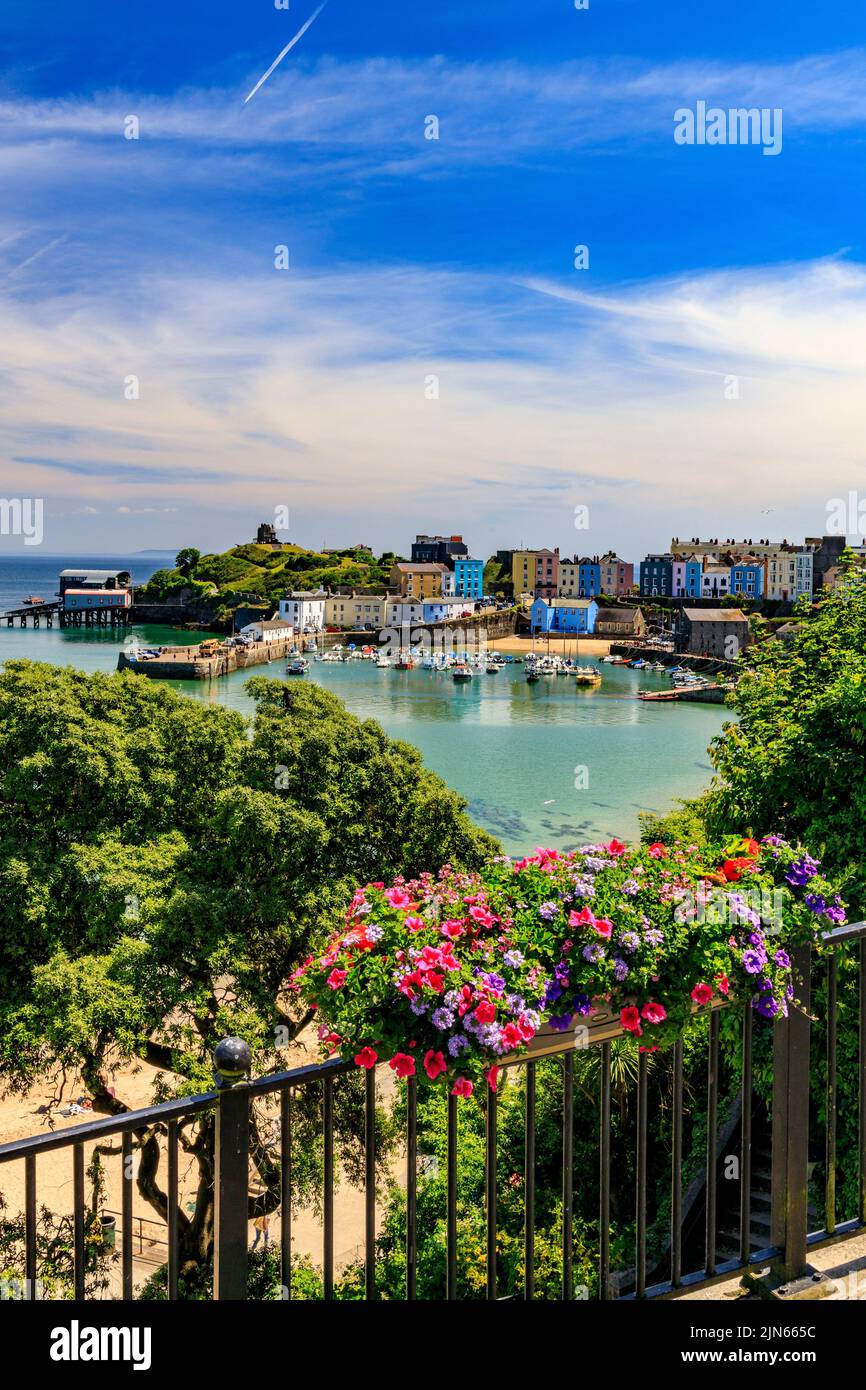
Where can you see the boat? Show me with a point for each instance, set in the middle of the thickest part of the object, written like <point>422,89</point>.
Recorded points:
<point>461,672</point>
<point>587,675</point>
<point>383,663</point>
<point>297,668</point>
<point>310,645</point>
<point>405,662</point>
<point>33,599</point>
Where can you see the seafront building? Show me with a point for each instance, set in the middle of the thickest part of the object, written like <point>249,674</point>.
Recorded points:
<point>564,615</point>
<point>418,580</point>
<point>535,573</point>
<point>304,611</point>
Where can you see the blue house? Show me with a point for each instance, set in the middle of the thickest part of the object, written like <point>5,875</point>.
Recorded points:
<point>747,578</point>
<point>694,570</point>
<point>468,576</point>
<point>572,615</point>
<point>589,578</point>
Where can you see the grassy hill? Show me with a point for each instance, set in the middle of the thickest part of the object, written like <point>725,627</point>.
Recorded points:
<point>257,570</point>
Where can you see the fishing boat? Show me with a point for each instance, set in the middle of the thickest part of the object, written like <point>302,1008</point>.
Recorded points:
<point>461,672</point>
<point>405,661</point>
<point>297,668</point>
<point>33,599</point>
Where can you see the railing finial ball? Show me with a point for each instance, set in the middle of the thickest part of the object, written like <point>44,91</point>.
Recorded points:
<point>232,1059</point>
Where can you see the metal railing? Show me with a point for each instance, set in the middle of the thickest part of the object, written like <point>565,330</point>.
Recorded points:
<point>231,1107</point>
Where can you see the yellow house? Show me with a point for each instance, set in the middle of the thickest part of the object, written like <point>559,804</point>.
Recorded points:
<point>356,612</point>
<point>535,572</point>
<point>418,580</point>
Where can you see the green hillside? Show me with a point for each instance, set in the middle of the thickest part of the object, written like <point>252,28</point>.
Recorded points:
<point>257,570</point>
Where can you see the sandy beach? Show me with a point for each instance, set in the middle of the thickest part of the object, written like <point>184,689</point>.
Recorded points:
<point>565,645</point>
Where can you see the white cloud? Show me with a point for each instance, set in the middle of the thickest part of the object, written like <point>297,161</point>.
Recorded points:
<point>254,394</point>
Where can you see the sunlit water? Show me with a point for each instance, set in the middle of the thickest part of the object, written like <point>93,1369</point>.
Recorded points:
<point>515,751</point>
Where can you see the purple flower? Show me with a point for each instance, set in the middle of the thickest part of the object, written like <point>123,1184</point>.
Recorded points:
<point>548,911</point>
<point>801,871</point>
<point>457,1044</point>
<point>553,992</point>
<point>418,1007</point>
<point>629,941</point>
<point>655,937</point>
<point>783,959</point>
<point>561,1022</point>
<point>593,952</point>
<point>442,1018</point>
<point>836,914</point>
<point>375,933</point>
<point>766,1006</point>
<point>561,972</point>
<point>631,887</point>
<point>816,903</point>
<point>753,961</point>
<point>620,969</point>
<point>513,958</point>
<point>582,1004</point>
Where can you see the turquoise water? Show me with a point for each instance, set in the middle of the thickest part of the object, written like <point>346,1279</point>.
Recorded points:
<point>510,748</point>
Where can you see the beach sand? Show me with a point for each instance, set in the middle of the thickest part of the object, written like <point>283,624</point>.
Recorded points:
<point>559,646</point>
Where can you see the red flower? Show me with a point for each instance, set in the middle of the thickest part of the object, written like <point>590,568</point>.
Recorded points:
<point>453,929</point>
<point>435,980</point>
<point>512,1035</point>
<point>398,897</point>
<point>617,848</point>
<point>702,994</point>
<point>723,984</point>
<point>485,1012</point>
<point>630,1020</point>
<point>462,1087</point>
<point>658,850</point>
<point>366,1058</point>
<point>603,927</point>
<point>584,918</point>
<point>434,1063</point>
<point>337,979</point>
<point>733,869</point>
<point>402,1064</point>
<point>750,847</point>
<point>492,1074</point>
<point>653,1013</point>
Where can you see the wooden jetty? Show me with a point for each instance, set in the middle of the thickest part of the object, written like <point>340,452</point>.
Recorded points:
<point>47,613</point>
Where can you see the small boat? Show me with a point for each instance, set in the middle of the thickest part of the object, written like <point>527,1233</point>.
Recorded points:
<point>32,599</point>
<point>462,672</point>
<point>587,675</point>
<point>405,662</point>
<point>297,668</point>
<point>310,645</point>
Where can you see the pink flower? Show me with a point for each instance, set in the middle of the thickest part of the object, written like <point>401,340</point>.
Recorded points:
<point>482,916</point>
<point>658,850</point>
<point>723,984</point>
<point>603,927</point>
<point>584,918</point>
<point>414,923</point>
<point>653,1013</point>
<point>337,979</point>
<point>366,1058</point>
<point>702,994</point>
<point>630,1020</point>
<point>434,1063</point>
<point>453,929</point>
<point>492,1074</point>
<point>398,897</point>
<point>462,1087</point>
<point>617,848</point>
<point>402,1064</point>
<point>485,1012</point>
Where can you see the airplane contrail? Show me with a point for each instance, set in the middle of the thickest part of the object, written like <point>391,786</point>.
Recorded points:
<point>280,56</point>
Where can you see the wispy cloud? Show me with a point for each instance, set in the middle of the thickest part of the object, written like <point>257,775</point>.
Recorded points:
<point>545,400</point>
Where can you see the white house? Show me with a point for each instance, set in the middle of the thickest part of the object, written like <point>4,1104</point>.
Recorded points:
<point>404,610</point>
<point>305,611</point>
<point>447,608</point>
<point>269,630</point>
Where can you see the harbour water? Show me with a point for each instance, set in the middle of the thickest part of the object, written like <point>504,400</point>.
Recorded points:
<point>544,763</point>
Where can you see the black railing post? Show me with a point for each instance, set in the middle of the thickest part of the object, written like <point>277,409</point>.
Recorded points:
<point>231,1170</point>
<point>790,1166</point>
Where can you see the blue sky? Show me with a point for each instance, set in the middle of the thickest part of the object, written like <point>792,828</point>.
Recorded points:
<point>431,359</point>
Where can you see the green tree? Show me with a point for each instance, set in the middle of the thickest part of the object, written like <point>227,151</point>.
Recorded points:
<point>164,864</point>
<point>186,560</point>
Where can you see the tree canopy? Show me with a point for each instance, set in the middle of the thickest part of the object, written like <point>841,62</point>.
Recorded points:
<point>164,864</point>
